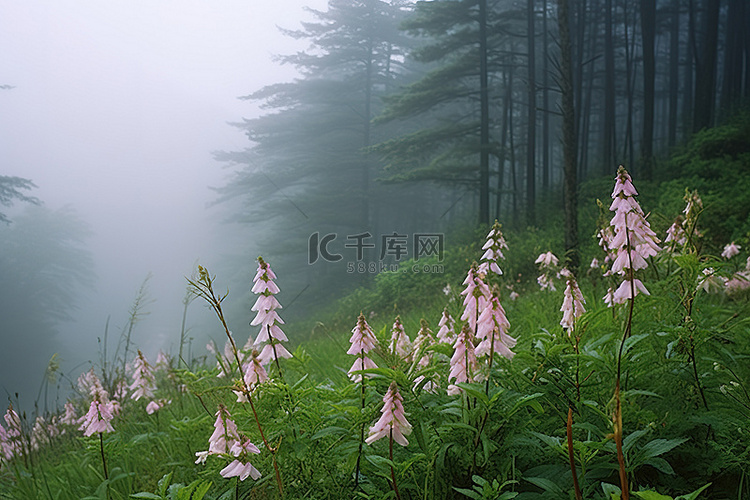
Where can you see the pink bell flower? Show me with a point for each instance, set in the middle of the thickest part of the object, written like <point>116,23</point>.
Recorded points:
<point>632,243</point>
<point>731,250</point>
<point>492,328</point>
<point>143,379</point>
<point>493,251</point>
<point>241,467</point>
<point>98,418</point>
<point>225,433</point>
<point>446,332</point>
<point>572,306</point>
<point>476,297</point>
<point>362,341</point>
<point>463,362</point>
<point>400,343</point>
<point>392,421</point>
<point>270,336</point>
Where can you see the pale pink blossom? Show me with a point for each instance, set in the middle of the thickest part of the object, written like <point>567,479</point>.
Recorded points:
<point>446,332</point>
<point>633,241</point>
<point>270,335</point>
<point>90,384</point>
<point>393,421</point>
<point>594,263</point>
<point>254,373</point>
<point>241,467</point>
<point>362,341</point>
<point>225,433</point>
<point>738,282</point>
<point>70,417</point>
<point>463,362</point>
<point>144,382</point>
<point>493,251</point>
<point>710,282</point>
<point>626,289</point>
<point>98,418</point>
<point>11,438</point>
<point>476,296</point>
<point>156,405</point>
<point>676,234</point>
<point>731,250</point>
<point>572,306</point>
<point>546,260</point>
<point>400,344</point>
<point>492,331</point>
<point>422,341</point>
<point>41,433</point>
<point>162,361</point>
<point>546,283</point>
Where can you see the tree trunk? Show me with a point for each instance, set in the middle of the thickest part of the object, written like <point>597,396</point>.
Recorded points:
<point>531,131</point>
<point>705,68</point>
<point>648,34</point>
<point>545,105</point>
<point>570,197</point>
<point>484,125</point>
<point>608,159</point>
<point>674,72</point>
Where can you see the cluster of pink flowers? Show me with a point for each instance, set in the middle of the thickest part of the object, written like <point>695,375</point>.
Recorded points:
<point>156,405</point>
<point>492,328</point>
<point>393,421</point>
<point>226,440</point>
<point>740,281</point>
<point>463,364</point>
<point>101,410</point>
<point>362,342</point>
<point>476,297</point>
<point>633,241</point>
<point>446,328</point>
<point>547,263</point>
<point>730,250</point>
<point>98,418</point>
<point>11,438</point>
<point>572,306</point>
<point>144,382</point>
<point>270,336</point>
<point>493,251</point>
<point>400,344</point>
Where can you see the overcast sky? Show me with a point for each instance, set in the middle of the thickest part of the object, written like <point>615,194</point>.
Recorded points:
<point>116,108</point>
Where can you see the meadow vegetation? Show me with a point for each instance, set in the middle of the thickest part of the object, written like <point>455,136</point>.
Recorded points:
<point>645,397</point>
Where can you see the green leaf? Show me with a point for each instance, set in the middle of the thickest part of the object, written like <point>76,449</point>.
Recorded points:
<point>658,447</point>
<point>693,495</point>
<point>418,429</point>
<point>651,495</point>
<point>631,438</point>
<point>145,494</point>
<point>328,431</point>
<point>469,493</point>
<point>546,485</point>
<point>612,491</point>
<point>660,464</point>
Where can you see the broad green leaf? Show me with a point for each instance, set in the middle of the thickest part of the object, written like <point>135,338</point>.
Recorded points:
<point>145,494</point>
<point>469,493</point>
<point>693,495</point>
<point>660,464</point>
<point>658,447</point>
<point>612,491</point>
<point>651,495</point>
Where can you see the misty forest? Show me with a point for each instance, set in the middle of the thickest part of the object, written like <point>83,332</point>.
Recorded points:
<point>484,249</point>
